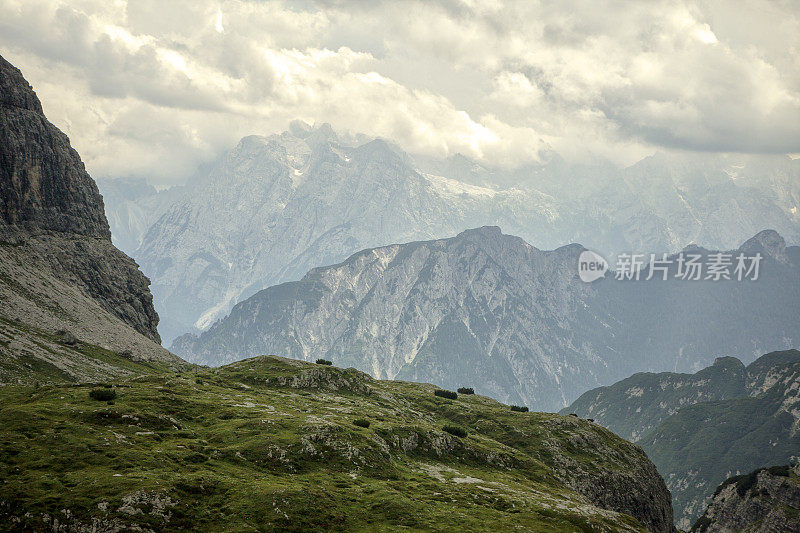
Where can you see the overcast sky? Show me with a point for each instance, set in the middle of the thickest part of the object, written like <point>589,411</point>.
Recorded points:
<point>153,88</point>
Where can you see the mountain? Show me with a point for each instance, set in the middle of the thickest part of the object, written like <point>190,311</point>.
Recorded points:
<point>767,499</point>
<point>63,285</point>
<point>635,405</point>
<point>274,207</point>
<point>699,429</point>
<point>489,310</point>
<point>137,205</point>
<point>273,444</point>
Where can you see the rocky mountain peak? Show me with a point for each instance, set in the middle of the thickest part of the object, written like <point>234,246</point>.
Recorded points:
<point>726,362</point>
<point>489,232</point>
<point>43,183</point>
<point>52,210</point>
<point>768,243</point>
<point>300,129</point>
<point>15,91</point>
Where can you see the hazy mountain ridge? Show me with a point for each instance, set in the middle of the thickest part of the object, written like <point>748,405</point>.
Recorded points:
<point>489,310</point>
<point>699,429</point>
<point>274,207</point>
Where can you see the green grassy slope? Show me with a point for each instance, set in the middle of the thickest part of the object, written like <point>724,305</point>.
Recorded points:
<point>270,443</point>
<point>31,356</point>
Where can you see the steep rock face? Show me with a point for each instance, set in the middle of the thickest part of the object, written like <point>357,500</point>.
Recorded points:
<point>765,500</point>
<point>43,183</point>
<point>480,308</point>
<point>488,310</point>
<point>699,428</point>
<point>56,247</point>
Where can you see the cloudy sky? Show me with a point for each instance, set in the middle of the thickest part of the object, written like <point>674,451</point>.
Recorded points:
<point>154,88</point>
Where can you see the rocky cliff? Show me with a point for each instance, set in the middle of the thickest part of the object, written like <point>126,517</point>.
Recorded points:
<point>43,184</point>
<point>765,500</point>
<point>59,269</point>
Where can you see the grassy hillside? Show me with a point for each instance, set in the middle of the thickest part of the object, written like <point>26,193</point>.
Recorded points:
<point>272,443</point>
<point>31,356</point>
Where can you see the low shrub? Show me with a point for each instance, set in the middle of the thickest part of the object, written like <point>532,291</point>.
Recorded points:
<point>324,362</point>
<point>782,471</point>
<point>102,395</point>
<point>360,422</point>
<point>442,393</point>
<point>466,390</point>
<point>455,430</point>
<point>66,337</point>
<point>519,408</point>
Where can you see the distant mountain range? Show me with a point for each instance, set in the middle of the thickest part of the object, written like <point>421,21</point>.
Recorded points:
<point>274,207</point>
<point>699,429</point>
<point>489,310</point>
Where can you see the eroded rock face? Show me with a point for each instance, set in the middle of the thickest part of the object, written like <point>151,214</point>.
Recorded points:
<point>52,213</point>
<point>765,500</point>
<point>43,183</point>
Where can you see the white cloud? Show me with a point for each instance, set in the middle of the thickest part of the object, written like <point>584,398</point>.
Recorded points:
<point>153,88</point>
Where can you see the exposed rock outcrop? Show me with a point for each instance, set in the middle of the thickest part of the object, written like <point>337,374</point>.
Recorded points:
<point>58,267</point>
<point>766,500</point>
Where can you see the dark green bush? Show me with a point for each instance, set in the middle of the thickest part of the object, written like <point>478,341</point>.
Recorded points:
<point>324,362</point>
<point>450,395</point>
<point>103,395</point>
<point>455,430</point>
<point>360,422</point>
<point>519,408</point>
<point>66,337</point>
<point>466,390</point>
<point>782,471</point>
